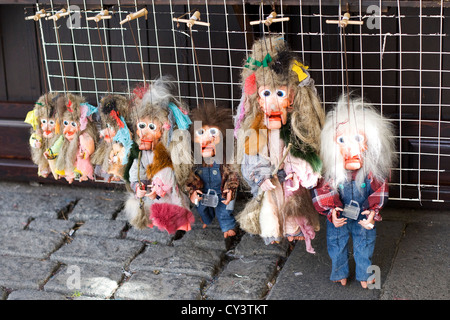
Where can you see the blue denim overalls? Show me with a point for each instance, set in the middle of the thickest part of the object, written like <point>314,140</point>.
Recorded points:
<point>363,239</point>
<point>212,179</point>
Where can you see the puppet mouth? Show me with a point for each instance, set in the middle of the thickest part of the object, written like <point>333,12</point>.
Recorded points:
<point>353,163</point>
<point>146,144</point>
<point>208,150</point>
<point>275,116</point>
<point>47,132</point>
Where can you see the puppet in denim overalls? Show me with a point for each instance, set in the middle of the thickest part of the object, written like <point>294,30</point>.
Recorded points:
<point>357,151</point>
<point>214,181</point>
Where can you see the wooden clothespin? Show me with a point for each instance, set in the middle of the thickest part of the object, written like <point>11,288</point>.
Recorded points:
<point>135,15</point>
<point>194,19</point>
<point>270,19</point>
<point>40,14</point>
<point>345,21</point>
<point>59,14</point>
<point>104,14</point>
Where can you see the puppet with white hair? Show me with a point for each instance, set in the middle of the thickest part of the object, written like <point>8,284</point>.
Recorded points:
<point>164,162</point>
<point>279,106</point>
<point>357,149</point>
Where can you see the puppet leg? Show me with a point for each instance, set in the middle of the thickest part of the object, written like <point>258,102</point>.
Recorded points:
<point>363,247</point>
<point>226,220</point>
<point>337,244</point>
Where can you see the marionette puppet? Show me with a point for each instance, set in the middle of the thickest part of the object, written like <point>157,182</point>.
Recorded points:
<point>279,106</point>
<point>44,133</point>
<point>357,149</point>
<point>213,184</point>
<point>80,137</point>
<point>112,152</point>
<point>163,164</point>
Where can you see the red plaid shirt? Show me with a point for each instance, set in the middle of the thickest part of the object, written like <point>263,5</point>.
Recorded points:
<point>325,198</point>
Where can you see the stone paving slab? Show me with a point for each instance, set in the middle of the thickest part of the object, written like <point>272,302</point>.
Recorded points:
<point>305,276</point>
<point>149,235</point>
<point>46,225</point>
<point>184,260</point>
<point>30,243</point>
<point>146,285</point>
<point>208,238</point>
<point>99,251</point>
<point>93,281</point>
<point>99,207</point>
<point>35,295</point>
<point>244,279</point>
<point>101,228</point>
<point>16,223</point>
<point>421,268</point>
<point>253,245</point>
<point>25,273</point>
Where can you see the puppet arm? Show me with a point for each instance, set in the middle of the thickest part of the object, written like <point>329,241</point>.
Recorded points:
<point>300,170</point>
<point>230,180</point>
<point>325,199</point>
<point>193,187</point>
<point>378,198</point>
<point>256,169</point>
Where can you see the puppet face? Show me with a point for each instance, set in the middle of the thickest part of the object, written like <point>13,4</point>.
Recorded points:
<point>108,133</point>
<point>71,127</point>
<point>275,102</point>
<point>352,145</point>
<point>48,127</point>
<point>208,138</point>
<point>149,132</point>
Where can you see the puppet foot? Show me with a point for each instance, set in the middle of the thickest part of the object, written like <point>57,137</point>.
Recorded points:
<point>342,281</point>
<point>293,238</point>
<point>364,283</point>
<point>229,233</point>
<point>83,178</point>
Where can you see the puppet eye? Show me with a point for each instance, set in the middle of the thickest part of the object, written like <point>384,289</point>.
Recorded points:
<point>200,132</point>
<point>43,121</point>
<point>108,126</point>
<point>142,125</point>
<point>281,93</point>
<point>340,139</point>
<point>73,124</point>
<point>52,122</point>
<point>152,126</point>
<point>66,123</point>
<point>265,93</point>
<point>213,131</point>
<point>359,138</point>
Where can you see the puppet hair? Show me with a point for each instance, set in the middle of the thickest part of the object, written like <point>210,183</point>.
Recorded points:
<point>112,107</point>
<point>379,157</point>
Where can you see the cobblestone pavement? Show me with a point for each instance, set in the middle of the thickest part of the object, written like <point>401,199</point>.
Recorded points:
<point>67,242</point>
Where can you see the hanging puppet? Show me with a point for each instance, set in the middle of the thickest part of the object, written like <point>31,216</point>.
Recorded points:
<point>164,162</point>
<point>112,153</point>
<point>213,183</point>
<point>279,106</point>
<point>357,149</point>
<point>44,133</point>
<point>80,137</point>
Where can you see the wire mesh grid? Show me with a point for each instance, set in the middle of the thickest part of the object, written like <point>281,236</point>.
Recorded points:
<point>398,60</point>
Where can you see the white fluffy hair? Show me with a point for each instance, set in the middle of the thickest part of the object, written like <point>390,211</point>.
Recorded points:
<point>379,157</point>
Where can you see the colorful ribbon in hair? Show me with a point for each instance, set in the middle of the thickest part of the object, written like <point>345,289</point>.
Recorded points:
<point>123,136</point>
<point>32,119</point>
<point>253,64</point>
<point>182,119</point>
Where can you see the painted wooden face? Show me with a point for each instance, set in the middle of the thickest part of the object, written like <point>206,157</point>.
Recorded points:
<point>48,126</point>
<point>208,138</point>
<point>275,103</point>
<point>352,144</point>
<point>149,131</point>
<point>108,133</point>
<point>71,127</point>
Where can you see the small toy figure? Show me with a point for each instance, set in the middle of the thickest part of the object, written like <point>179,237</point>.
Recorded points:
<point>80,137</point>
<point>279,106</point>
<point>164,162</point>
<point>214,176</point>
<point>44,132</point>
<point>357,149</point>
<point>111,156</point>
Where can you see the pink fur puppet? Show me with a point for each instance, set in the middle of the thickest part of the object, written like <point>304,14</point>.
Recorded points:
<point>164,162</point>
<point>279,106</point>
<point>357,149</point>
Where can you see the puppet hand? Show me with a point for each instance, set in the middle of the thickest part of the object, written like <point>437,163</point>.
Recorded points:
<point>152,194</point>
<point>140,192</point>
<point>337,222</point>
<point>195,198</point>
<point>227,195</point>
<point>293,177</point>
<point>369,222</point>
<point>267,185</point>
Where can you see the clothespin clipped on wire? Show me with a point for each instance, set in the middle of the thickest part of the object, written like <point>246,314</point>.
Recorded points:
<point>194,19</point>
<point>270,19</point>
<point>135,15</point>
<point>39,15</point>
<point>344,21</point>
<point>59,14</point>
<point>104,14</point>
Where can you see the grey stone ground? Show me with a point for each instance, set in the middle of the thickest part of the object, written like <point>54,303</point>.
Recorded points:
<point>65,242</point>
